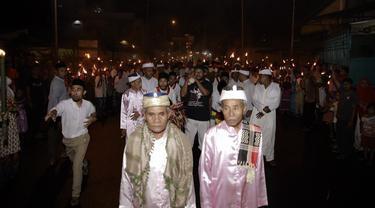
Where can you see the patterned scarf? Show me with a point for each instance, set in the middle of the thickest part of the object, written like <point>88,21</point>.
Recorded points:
<point>178,172</point>
<point>249,152</point>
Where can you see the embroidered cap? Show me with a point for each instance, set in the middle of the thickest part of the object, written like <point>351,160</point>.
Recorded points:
<point>233,94</point>
<point>155,99</point>
<point>244,72</point>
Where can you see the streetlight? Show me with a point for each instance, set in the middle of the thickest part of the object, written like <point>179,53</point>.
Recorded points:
<point>173,22</point>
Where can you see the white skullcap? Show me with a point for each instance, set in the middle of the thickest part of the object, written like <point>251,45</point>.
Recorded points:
<point>148,65</point>
<point>266,72</point>
<point>133,77</point>
<point>233,94</point>
<point>159,65</point>
<point>233,71</point>
<point>244,72</point>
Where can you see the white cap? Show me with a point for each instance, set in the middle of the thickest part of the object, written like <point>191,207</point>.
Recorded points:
<point>244,72</point>
<point>266,72</point>
<point>148,65</point>
<point>133,77</point>
<point>159,65</point>
<point>233,71</point>
<point>233,94</point>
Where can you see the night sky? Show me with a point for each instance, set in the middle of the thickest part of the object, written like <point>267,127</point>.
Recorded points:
<point>265,20</point>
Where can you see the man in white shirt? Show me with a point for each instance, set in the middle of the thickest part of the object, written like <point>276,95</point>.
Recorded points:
<point>248,87</point>
<point>157,166</point>
<point>149,83</point>
<point>173,84</point>
<point>76,115</point>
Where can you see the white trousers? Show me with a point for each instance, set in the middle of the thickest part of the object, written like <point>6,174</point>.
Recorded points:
<point>192,127</point>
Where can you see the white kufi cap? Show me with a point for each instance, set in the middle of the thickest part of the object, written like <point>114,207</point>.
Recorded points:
<point>233,94</point>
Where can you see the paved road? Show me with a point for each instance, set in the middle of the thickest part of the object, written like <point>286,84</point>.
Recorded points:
<point>307,173</point>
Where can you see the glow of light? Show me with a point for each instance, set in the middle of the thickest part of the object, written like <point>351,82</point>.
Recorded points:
<point>231,55</point>
<point>328,82</point>
<point>84,71</point>
<point>2,52</point>
<point>238,59</point>
<point>293,65</point>
<point>329,76</point>
<point>87,55</point>
<point>204,60</point>
<point>284,61</point>
<point>246,54</point>
<point>92,74</point>
<point>323,73</point>
<point>271,65</point>
<point>301,73</point>
<point>247,62</point>
<point>266,57</point>
<point>314,64</point>
<point>98,58</point>
<point>291,60</point>
<point>79,74</point>
<point>105,69</point>
<point>36,61</point>
<point>262,60</point>
<point>133,46</point>
<point>94,67</point>
<point>139,61</point>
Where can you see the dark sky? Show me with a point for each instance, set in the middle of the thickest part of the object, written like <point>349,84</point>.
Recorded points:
<point>209,19</point>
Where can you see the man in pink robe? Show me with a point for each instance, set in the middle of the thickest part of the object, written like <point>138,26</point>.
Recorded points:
<point>131,106</point>
<point>231,170</point>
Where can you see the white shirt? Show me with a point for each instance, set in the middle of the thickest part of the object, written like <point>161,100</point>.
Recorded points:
<point>249,88</point>
<point>156,193</point>
<point>101,90</point>
<point>73,117</point>
<point>149,85</point>
<point>177,90</point>
<point>171,94</point>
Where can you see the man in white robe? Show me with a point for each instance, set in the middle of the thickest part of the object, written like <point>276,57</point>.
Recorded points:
<point>266,99</point>
<point>149,83</point>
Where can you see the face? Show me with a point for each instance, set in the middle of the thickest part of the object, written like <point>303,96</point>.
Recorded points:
<point>199,74</point>
<point>233,111</point>
<point>136,84</point>
<point>157,119</point>
<point>77,92</point>
<point>264,79</point>
<point>235,75</point>
<point>163,83</point>
<point>172,79</point>
<point>148,72</point>
<point>61,72</point>
<point>242,77</point>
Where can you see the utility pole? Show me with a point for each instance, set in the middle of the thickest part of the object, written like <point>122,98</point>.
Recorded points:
<point>292,30</point>
<point>56,44</point>
<point>242,25</point>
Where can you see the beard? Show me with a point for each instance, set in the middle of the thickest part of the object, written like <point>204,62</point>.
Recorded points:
<point>75,99</point>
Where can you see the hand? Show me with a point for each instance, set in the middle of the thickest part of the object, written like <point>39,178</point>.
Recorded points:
<point>260,115</point>
<point>123,133</point>
<point>266,109</point>
<point>89,121</point>
<point>135,116</point>
<point>52,114</point>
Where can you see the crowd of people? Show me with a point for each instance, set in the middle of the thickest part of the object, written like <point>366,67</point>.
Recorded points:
<point>230,108</point>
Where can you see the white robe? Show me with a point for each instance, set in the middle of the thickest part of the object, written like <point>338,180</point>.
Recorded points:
<point>263,97</point>
<point>148,85</point>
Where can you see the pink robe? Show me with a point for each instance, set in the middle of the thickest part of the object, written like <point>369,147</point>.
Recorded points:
<point>131,101</point>
<point>222,182</point>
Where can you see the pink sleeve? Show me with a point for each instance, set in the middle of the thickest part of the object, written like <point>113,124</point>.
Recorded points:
<point>205,171</point>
